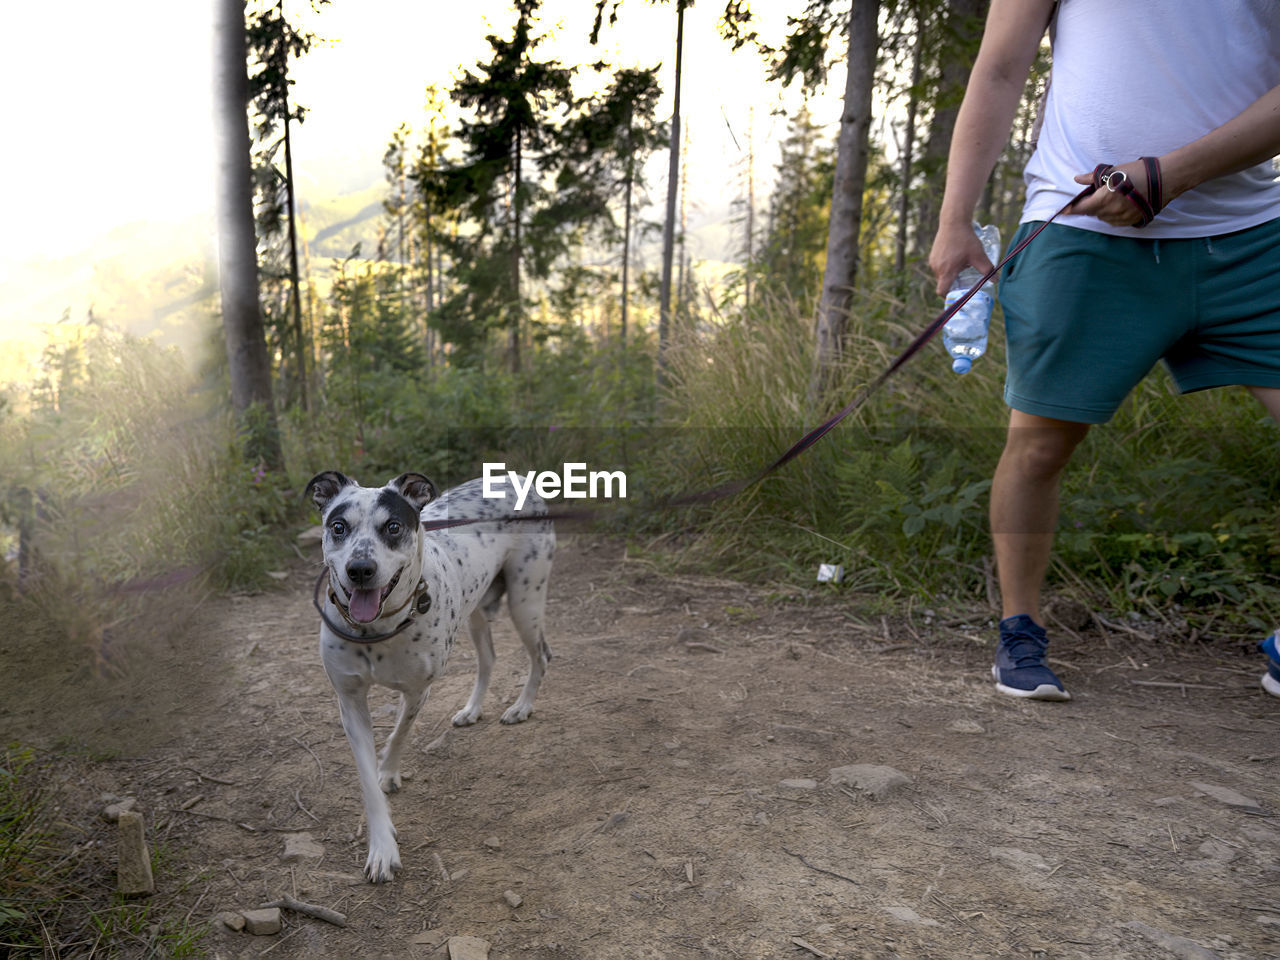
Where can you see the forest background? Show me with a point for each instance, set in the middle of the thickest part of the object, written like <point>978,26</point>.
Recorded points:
<point>547,268</point>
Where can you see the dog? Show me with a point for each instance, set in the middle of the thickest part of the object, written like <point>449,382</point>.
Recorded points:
<point>397,597</point>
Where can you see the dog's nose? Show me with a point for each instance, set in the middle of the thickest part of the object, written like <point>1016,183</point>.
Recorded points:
<point>361,572</point>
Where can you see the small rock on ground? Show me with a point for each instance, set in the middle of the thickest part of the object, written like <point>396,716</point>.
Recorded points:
<point>879,781</point>
<point>133,875</point>
<point>112,811</point>
<point>907,915</point>
<point>301,846</point>
<point>232,921</point>
<point>798,783</point>
<point>1180,947</point>
<point>468,948</point>
<point>1229,797</point>
<point>262,923</point>
<point>513,899</point>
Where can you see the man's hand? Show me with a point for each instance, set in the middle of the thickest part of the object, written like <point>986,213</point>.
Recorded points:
<point>1111,206</point>
<point>955,247</point>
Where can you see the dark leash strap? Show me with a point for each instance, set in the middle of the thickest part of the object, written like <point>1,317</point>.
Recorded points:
<point>1104,175</point>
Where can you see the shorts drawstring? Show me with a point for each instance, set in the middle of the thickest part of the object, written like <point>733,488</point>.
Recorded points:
<point>1208,245</point>
<point>1156,250</point>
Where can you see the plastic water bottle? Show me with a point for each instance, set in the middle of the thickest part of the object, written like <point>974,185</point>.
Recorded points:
<point>965,335</point>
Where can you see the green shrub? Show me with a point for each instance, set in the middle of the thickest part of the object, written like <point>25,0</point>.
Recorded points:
<point>1175,501</point>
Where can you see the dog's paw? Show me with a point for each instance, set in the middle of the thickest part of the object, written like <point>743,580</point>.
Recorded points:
<point>390,781</point>
<point>467,716</point>
<point>383,862</point>
<point>517,713</point>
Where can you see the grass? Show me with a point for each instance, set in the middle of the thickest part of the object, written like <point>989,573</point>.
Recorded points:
<point>1173,506</point>
<point>56,896</point>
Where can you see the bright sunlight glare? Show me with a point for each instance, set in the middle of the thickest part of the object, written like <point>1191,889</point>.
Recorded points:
<point>109,173</point>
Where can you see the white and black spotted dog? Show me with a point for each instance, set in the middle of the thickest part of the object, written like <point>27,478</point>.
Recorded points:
<point>386,575</point>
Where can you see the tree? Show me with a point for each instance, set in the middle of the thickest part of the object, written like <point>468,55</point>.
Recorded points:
<point>673,179</point>
<point>607,142</point>
<point>512,101</point>
<point>429,215</point>
<point>247,359</point>
<point>272,41</point>
<point>792,255</point>
<point>852,150</point>
<point>907,148</point>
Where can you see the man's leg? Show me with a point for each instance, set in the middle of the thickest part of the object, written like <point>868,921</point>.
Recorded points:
<point>1024,512</point>
<point>1269,397</point>
<point>1024,505</point>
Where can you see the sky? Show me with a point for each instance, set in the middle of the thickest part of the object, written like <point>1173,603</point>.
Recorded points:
<point>111,111</point>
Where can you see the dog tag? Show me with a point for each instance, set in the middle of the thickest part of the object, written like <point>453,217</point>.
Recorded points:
<point>423,604</point>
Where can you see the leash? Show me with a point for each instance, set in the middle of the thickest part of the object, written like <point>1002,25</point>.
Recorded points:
<point>1104,175</point>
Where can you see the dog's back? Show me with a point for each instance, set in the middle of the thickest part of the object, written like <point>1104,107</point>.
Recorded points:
<point>488,560</point>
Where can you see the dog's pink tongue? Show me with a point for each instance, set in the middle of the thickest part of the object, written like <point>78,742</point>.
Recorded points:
<point>365,605</point>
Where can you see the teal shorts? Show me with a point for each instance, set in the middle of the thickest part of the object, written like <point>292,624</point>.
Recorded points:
<point>1087,315</point>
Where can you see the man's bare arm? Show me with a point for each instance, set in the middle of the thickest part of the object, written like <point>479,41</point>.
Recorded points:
<point>1009,44</point>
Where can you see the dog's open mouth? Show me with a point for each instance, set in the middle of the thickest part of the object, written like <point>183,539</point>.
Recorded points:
<point>364,606</point>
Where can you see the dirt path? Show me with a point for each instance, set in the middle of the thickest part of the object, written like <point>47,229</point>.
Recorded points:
<point>673,794</point>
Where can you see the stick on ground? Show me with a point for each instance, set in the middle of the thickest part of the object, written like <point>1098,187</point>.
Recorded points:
<point>309,910</point>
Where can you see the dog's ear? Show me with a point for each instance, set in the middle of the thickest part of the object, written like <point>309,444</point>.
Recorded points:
<point>415,488</point>
<point>323,487</point>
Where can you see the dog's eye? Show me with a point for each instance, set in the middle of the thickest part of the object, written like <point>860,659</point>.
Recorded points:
<point>393,528</point>
<point>338,529</point>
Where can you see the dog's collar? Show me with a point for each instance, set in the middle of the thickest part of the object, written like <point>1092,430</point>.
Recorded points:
<point>418,603</point>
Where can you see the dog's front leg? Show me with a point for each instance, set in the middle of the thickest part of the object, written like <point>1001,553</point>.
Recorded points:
<point>411,703</point>
<point>384,852</point>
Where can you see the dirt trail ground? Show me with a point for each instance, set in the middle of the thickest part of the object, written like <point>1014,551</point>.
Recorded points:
<point>673,795</point>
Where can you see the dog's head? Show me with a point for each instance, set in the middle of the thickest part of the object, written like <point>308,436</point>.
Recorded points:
<point>371,537</point>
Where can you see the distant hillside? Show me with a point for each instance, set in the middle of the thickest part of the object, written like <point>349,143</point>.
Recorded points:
<point>148,279</point>
<point>332,226</point>
<point>159,279</point>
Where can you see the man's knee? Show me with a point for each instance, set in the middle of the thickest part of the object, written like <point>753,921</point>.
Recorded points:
<point>1038,448</point>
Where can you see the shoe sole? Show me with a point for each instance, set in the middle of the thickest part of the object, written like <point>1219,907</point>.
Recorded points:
<point>1046,691</point>
<point>1271,684</point>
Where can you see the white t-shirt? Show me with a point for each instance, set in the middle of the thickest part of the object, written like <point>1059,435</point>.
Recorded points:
<point>1138,78</point>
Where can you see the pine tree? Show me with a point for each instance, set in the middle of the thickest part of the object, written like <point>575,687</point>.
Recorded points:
<point>793,252</point>
<point>509,142</point>
<point>272,43</point>
<point>606,144</point>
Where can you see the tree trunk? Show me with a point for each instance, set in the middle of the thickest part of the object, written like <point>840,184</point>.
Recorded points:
<point>908,148</point>
<point>751,203</point>
<point>669,225</point>
<point>846,200</point>
<point>237,243</point>
<point>299,340</point>
<point>515,268</point>
<point>626,253</point>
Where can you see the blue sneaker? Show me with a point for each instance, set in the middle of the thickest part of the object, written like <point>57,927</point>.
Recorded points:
<point>1271,679</point>
<point>1021,668</point>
